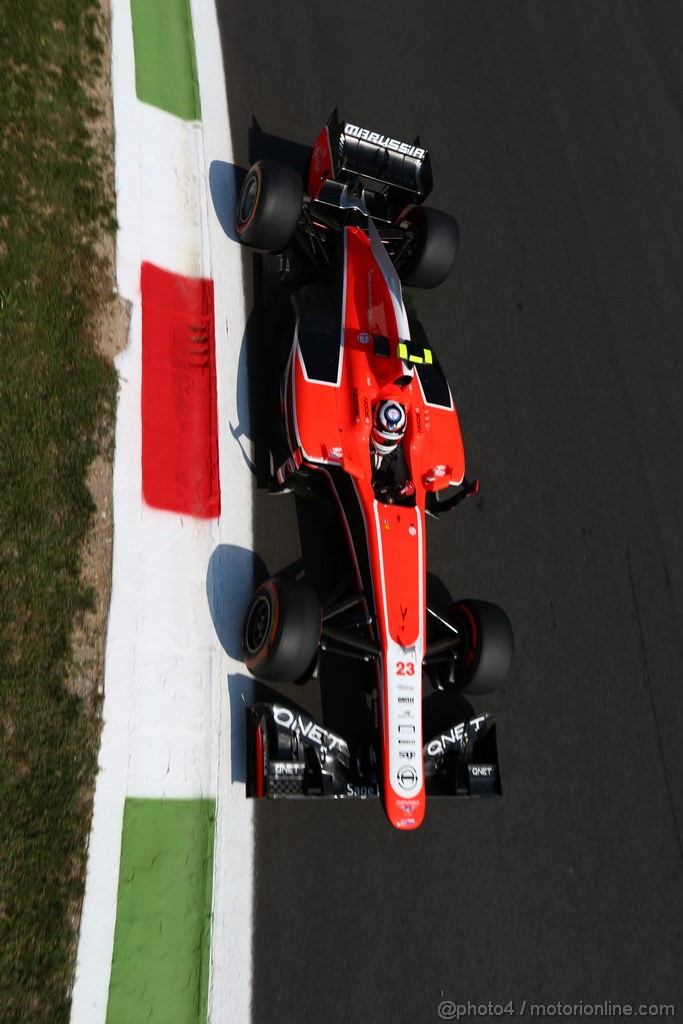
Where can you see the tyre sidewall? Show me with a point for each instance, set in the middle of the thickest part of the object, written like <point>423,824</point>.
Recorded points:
<point>276,208</point>
<point>293,632</point>
<point>255,172</point>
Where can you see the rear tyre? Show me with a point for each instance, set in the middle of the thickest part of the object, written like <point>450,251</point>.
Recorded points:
<point>269,205</point>
<point>437,240</point>
<point>281,630</point>
<point>489,644</point>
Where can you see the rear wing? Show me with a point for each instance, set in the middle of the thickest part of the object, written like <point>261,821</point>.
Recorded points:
<point>346,152</point>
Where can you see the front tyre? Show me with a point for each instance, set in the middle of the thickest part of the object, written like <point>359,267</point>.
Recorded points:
<point>281,630</point>
<point>269,206</point>
<point>435,247</point>
<point>488,647</point>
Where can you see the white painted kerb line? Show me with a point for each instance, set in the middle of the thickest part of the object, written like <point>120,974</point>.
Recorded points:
<point>166,729</point>
<point>230,979</point>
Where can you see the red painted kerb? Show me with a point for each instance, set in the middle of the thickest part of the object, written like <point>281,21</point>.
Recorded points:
<point>179,410</point>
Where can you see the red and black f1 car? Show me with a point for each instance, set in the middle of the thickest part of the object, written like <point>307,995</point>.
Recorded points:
<point>366,421</point>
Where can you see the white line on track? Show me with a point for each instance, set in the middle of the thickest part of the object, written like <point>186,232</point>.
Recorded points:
<point>231,966</point>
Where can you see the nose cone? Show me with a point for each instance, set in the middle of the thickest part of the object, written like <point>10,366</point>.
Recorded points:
<point>404,813</point>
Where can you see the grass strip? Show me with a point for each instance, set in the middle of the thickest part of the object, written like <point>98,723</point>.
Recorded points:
<point>165,63</point>
<point>160,967</point>
<point>57,397</point>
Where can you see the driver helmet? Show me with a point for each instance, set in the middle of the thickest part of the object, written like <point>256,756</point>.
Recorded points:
<point>388,427</point>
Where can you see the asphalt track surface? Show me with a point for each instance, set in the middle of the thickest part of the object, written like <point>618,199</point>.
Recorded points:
<point>556,133</point>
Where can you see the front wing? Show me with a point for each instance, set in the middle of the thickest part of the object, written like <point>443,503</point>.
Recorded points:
<point>289,756</point>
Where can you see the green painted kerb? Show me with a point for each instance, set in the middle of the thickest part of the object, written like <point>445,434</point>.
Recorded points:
<point>165,63</point>
<point>160,967</point>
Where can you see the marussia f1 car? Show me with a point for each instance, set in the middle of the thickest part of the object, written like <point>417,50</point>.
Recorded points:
<point>367,422</point>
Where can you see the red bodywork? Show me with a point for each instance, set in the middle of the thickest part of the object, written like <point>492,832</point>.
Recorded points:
<point>329,424</point>
<point>321,163</point>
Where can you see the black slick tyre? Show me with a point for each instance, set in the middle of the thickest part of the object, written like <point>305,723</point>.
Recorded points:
<point>489,644</point>
<point>281,630</point>
<point>437,240</point>
<point>269,206</point>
